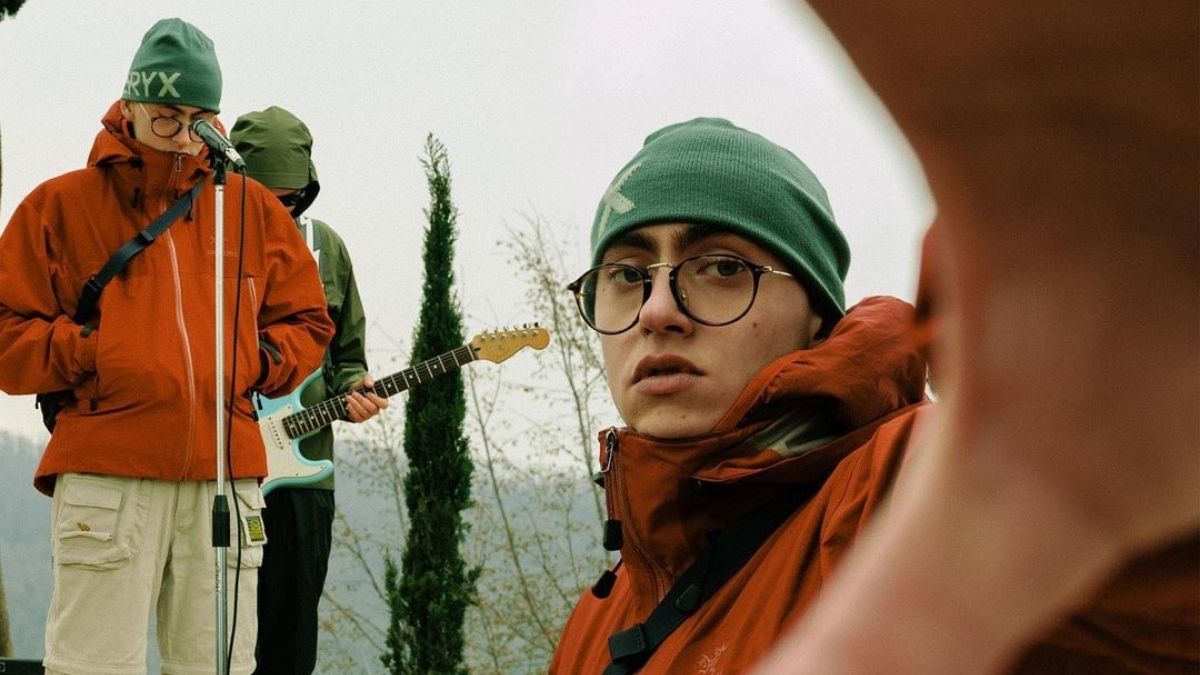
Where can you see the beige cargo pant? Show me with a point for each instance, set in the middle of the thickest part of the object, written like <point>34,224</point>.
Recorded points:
<point>125,547</point>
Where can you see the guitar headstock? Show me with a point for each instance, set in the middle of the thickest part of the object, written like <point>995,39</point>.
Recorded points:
<point>498,345</point>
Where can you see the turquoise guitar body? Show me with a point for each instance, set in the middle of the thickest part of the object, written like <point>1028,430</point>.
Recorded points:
<point>286,467</point>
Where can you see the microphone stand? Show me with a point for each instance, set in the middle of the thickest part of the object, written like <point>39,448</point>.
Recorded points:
<point>220,510</point>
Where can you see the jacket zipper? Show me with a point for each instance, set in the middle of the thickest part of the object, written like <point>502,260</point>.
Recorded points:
<point>614,485</point>
<point>181,324</point>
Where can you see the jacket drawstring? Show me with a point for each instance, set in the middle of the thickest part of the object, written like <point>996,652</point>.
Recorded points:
<point>604,584</point>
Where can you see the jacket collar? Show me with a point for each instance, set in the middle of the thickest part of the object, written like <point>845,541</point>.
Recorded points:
<point>787,430</point>
<point>143,175</point>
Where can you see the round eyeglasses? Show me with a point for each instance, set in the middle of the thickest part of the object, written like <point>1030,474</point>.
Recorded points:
<point>711,289</point>
<point>167,127</point>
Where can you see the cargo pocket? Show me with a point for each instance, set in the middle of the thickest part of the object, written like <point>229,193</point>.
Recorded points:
<point>248,518</point>
<point>98,520</point>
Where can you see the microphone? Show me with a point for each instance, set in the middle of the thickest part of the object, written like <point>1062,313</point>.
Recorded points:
<point>213,139</point>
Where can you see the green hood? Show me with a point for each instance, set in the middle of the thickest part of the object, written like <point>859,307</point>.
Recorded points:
<point>277,148</point>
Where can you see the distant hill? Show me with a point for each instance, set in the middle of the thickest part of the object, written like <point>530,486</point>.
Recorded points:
<point>565,554</point>
<point>24,544</point>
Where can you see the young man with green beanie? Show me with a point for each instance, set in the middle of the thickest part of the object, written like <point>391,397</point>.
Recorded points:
<point>131,462</point>
<point>754,402</point>
<point>756,405</point>
<point>277,148</point>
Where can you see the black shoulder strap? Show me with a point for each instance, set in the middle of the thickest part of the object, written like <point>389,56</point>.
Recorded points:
<point>92,288</point>
<point>727,552</point>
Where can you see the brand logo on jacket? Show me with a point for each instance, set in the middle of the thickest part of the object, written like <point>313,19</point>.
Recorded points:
<point>230,247</point>
<point>708,664</point>
<point>140,81</point>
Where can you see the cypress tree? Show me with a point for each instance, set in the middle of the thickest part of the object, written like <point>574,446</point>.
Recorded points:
<point>429,600</point>
<point>8,8</point>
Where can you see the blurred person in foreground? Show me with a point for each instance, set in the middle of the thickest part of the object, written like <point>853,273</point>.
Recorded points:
<point>1057,493</point>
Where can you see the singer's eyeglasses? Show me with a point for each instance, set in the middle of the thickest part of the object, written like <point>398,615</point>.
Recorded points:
<point>712,289</point>
<point>167,127</point>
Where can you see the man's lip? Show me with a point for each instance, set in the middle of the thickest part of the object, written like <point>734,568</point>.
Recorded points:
<point>663,364</point>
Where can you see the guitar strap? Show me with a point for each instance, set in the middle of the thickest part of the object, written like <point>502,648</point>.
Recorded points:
<point>310,240</point>
<point>307,225</point>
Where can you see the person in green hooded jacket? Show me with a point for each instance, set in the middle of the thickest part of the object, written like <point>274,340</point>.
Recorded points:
<point>277,148</point>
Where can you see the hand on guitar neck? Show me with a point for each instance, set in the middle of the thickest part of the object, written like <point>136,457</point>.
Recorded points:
<point>285,421</point>
<point>362,403</point>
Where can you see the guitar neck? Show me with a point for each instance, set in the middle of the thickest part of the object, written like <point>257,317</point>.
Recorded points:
<point>330,410</point>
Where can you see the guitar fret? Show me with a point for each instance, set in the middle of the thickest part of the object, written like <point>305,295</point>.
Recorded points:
<point>326,412</point>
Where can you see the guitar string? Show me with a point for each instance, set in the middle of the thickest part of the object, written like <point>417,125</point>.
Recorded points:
<point>333,409</point>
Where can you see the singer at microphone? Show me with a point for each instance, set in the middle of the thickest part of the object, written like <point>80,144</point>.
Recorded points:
<point>218,143</point>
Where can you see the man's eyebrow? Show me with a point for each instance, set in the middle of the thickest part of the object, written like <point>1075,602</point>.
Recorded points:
<point>694,234</point>
<point>681,240</point>
<point>636,240</point>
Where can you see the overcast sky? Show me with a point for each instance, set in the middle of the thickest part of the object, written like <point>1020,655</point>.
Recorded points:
<point>539,104</point>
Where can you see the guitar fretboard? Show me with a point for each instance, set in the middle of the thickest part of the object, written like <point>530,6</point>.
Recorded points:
<point>330,410</point>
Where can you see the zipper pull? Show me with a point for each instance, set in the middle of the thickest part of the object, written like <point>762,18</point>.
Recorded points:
<point>610,443</point>
<point>614,537</point>
<point>603,586</point>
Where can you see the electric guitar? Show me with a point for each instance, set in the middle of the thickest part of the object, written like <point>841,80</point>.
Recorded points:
<point>284,421</point>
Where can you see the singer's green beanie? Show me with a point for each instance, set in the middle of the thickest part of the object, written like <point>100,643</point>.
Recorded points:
<point>708,171</point>
<point>176,65</point>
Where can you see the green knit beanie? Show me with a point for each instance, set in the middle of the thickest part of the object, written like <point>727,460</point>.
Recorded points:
<point>708,171</point>
<point>175,65</point>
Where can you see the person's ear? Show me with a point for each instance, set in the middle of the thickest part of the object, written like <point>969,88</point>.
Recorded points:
<point>126,111</point>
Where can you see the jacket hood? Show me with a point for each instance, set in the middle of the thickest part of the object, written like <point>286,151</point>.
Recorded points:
<point>793,422</point>
<point>142,171</point>
<point>277,148</point>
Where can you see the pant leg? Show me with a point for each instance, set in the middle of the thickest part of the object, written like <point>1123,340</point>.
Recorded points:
<point>187,603</point>
<point>299,529</point>
<point>108,543</point>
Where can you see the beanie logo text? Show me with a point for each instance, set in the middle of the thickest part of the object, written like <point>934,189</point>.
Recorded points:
<point>139,83</point>
<point>614,200</point>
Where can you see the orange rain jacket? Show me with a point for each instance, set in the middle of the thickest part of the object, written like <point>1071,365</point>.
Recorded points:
<point>833,421</point>
<point>144,380</point>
